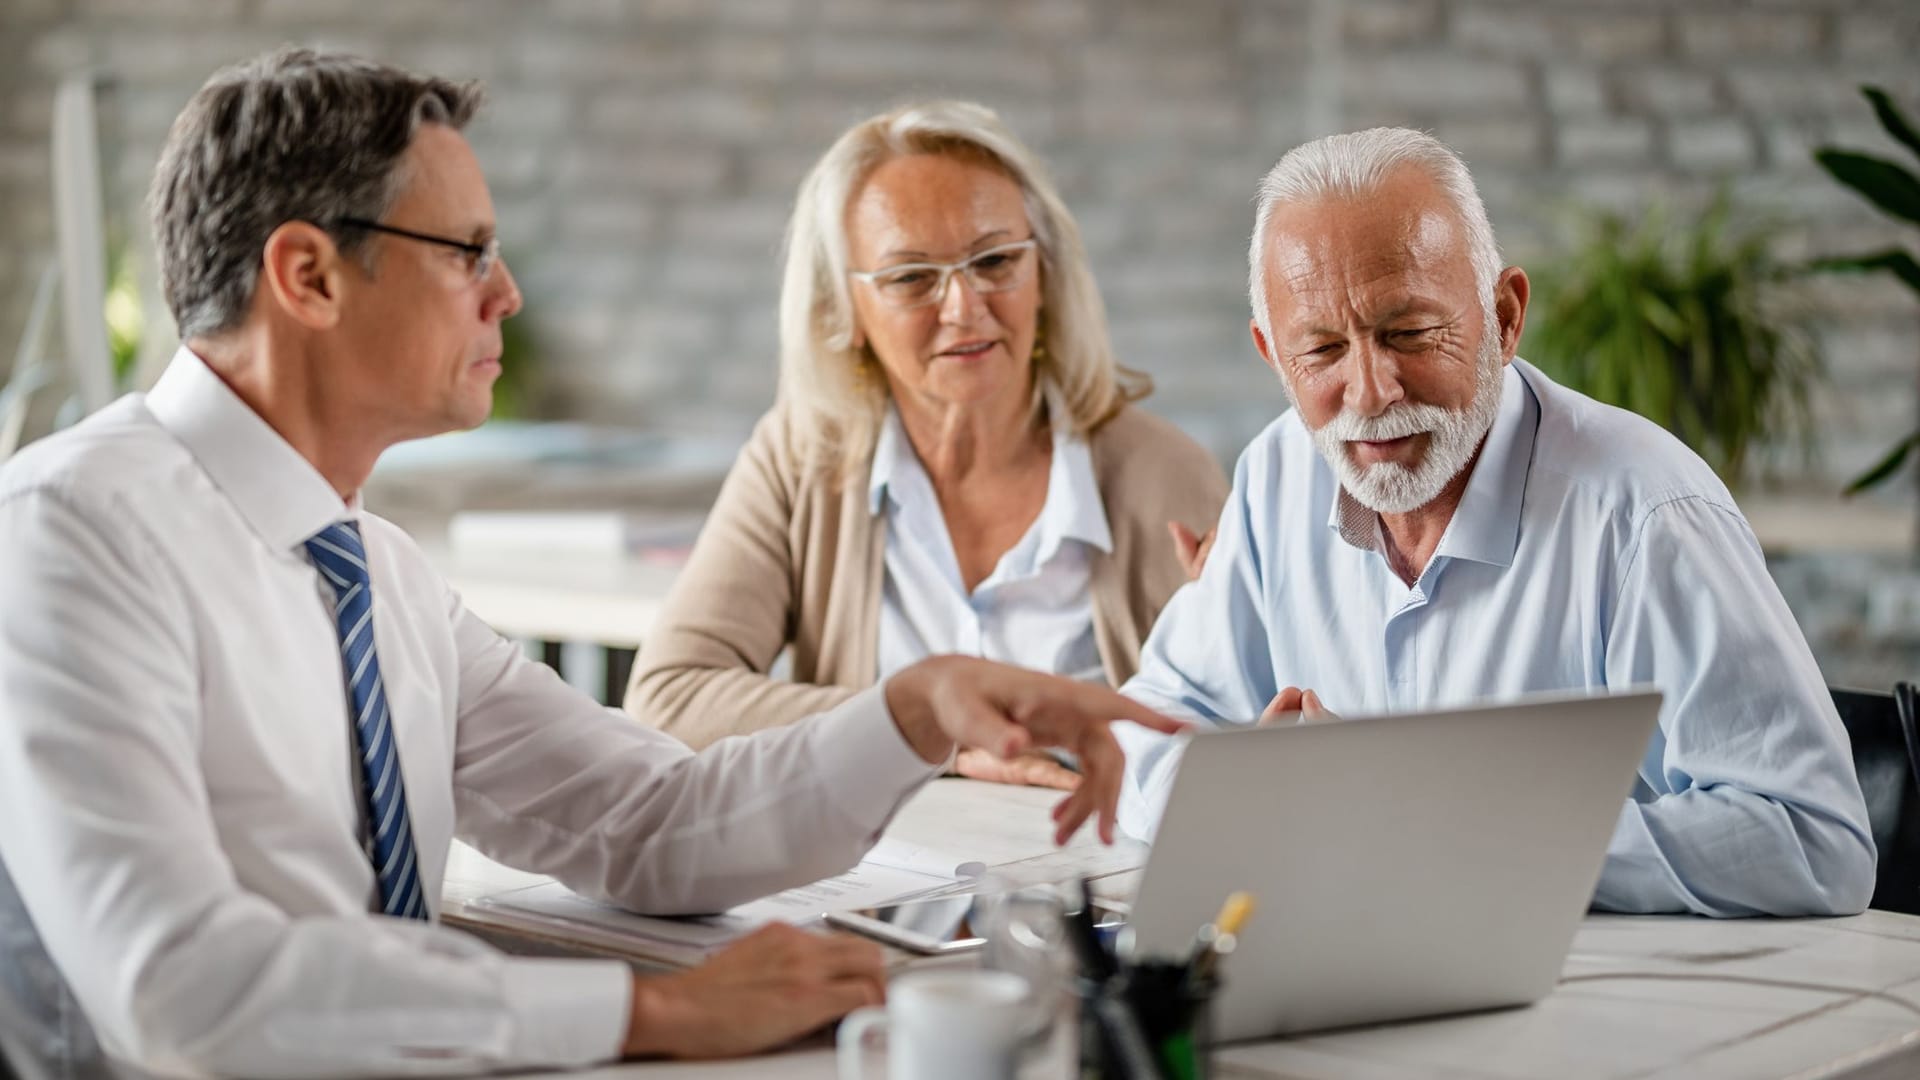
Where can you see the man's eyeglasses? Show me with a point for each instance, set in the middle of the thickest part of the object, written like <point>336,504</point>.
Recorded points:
<point>912,285</point>
<point>480,257</point>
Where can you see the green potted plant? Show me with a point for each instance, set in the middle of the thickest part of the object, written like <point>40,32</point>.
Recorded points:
<point>1895,189</point>
<point>1682,321</point>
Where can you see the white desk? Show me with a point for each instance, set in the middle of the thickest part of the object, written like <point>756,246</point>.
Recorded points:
<point>598,599</point>
<point>1642,997</point>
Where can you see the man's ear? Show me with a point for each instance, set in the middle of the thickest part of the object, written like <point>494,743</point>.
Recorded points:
<point>1264,347</point>
<point>302,273</point>
<point>1510,294</point>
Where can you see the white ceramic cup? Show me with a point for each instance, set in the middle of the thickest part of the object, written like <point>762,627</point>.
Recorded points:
<point>943,1025</point>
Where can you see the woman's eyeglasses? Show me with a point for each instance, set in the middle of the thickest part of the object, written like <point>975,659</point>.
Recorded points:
<point>912,285</point>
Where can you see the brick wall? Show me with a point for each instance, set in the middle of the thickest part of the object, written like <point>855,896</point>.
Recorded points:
<point>643,153</point>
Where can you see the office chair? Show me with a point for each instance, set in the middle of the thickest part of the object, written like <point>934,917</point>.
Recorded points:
<point>1886,755</point>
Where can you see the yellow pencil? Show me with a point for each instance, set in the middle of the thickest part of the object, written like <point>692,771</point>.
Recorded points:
<point>1217,938</point>
<point>1234,913</point>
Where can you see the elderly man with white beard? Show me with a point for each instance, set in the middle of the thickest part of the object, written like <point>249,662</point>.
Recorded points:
<point>1436,522</point>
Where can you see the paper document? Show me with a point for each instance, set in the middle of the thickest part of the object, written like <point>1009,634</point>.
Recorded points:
<point>866,885</point>
<point>556,910</point>
<point>894,870</point>
<point>904,854</point>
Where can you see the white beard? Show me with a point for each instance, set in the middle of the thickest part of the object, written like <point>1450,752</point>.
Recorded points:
<point>1390,487</point>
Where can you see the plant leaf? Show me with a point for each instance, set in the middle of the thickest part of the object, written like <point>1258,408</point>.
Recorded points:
<point>1892,119</point>
<point>1885,184</point>
<point>1886,466</point>
<point>1662,317</point>
<point>1893,260</point>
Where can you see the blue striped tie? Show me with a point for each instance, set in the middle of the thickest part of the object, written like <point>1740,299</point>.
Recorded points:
<point>341,558</point>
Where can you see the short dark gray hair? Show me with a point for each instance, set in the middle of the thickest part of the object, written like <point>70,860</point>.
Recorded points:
<point>295,135</point>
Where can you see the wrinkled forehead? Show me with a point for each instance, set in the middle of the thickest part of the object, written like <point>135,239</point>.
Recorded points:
<point>1385,249</point>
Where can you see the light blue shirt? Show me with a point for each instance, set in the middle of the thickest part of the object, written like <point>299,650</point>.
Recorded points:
<point>1591,549</point>
<point>1034,610</point>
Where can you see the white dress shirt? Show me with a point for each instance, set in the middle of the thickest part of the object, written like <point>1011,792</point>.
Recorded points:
<point>1034,610</point>
<point>176,771</point>
<point>1590,549</point>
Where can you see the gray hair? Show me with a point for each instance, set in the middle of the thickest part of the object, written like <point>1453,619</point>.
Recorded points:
<point>294,135</point>
<point>835,396</point>
<point>1356,164</point>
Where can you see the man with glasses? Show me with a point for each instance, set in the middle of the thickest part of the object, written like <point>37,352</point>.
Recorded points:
<point>241,719</point>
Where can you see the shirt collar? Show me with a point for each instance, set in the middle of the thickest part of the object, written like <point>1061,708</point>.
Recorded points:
<point>892,456</point>
<point>1073,510</point>
<point>1486,525</point>
<point>279,493</point>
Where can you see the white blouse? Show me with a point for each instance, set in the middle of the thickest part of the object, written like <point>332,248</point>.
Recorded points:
<point>1033,610</point>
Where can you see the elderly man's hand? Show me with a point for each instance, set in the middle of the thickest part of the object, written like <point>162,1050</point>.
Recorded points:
<point>1008,711</point>
<point>765,990</point>
<point>1193,550</point>
<point>1291,701</point>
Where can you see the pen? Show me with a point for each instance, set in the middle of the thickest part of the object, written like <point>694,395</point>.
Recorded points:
<point>1218,937</point>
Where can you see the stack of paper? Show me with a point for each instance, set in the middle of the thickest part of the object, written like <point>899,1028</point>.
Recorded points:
<point>894,870</point>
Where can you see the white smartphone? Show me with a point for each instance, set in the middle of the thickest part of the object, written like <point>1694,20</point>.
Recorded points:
<point>944,924</point>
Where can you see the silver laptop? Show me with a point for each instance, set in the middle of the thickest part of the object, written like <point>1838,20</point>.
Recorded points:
<point>1402,866</point>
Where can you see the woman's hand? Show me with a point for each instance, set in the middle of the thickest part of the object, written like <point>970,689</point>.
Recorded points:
<point>1193,550</point>
<point>1031,769</point>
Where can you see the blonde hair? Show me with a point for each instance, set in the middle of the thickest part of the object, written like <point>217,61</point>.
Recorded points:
<point>836,402</point>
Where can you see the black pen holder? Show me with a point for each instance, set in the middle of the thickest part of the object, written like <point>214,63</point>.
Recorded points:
<point>1170,1016</point>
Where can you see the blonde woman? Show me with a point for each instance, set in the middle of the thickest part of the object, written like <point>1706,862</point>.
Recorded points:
<point>953,463</point>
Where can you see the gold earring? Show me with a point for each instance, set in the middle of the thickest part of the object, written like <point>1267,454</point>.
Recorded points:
<point>1040,355</point>
<point>866,368</point>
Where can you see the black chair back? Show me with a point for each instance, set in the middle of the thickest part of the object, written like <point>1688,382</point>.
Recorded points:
<point>1886,755</point>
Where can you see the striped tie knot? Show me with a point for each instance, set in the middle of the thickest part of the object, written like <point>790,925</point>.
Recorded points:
<point>340,556</point>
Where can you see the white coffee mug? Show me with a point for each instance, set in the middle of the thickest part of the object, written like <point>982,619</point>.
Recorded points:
<point>943,1025</point>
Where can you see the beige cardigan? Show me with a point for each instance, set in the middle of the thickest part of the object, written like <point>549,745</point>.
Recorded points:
<point>791,556</point>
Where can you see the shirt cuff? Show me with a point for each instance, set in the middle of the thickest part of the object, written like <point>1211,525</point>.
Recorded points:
<point>866,762</point>
<point>568,1013</point>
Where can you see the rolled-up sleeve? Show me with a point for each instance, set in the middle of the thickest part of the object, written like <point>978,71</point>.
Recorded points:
<point>1748,802</point>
